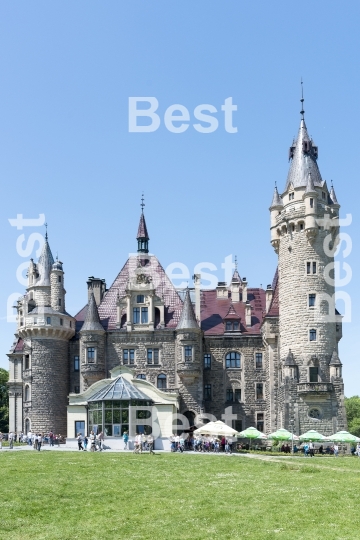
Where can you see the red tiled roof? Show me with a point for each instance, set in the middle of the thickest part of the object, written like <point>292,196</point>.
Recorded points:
<point>163,288</point>
<point>214,310</point>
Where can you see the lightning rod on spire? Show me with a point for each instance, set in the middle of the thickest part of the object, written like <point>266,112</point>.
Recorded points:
<point>302,112</point>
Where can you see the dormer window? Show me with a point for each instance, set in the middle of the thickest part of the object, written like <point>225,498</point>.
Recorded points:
<point>232,326</point>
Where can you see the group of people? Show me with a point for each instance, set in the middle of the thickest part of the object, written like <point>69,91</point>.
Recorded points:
<point>95,440</point>
<point>200,444</point>
<point>142,444</point>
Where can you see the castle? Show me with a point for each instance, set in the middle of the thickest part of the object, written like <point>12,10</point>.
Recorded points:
<point>272,355</point>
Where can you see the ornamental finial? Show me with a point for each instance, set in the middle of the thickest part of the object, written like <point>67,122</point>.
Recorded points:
<point>302,112</point>
<point>142,203</point>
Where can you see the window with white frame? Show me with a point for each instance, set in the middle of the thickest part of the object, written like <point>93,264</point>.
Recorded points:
<point>27,393</point>
<point>188,353</point>
<point>259,391</point>
<point>232,360</point>
<point>128,356</point>
<point>312,334</point>
<point>161,381</point>
<point>91,355</point>
<point>258,360</point>
<point>312,298</point>
<point>260,421</point>
<point>153,356</point>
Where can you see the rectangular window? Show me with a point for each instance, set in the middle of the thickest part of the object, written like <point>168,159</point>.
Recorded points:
<point>312,300</point>
<point>237,425</point>
<point>153,356</point>
<point>59,301</point>
<point>61,322</point>
<point>77,389</point>
<point>323,195</point>
<point>128,356</point>
<point>314,374</point>
<point>144,315</point>
<point>59,279</point>
<point>48,320</point>
<point>80,428</point>
<point>260,421</point>
<point>229,326</point>
<point>259,391</point>
<point>140,299</point>
<point>314,267</point>
<point>207,391</point>
<point>237,394</point>
<point>312,335</point>
<point>236,326</point>
<point>27,362</point>
<point>76,363</point>
<point>258,360</point>
<point>308,268</point>
<point>91,355</point>
<point>207,361</point>
<point>229,394</point>
<point>136,315</point>
<point>188,353</point>
<point>311,203</point>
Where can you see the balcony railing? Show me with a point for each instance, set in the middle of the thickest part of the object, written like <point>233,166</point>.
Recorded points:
<point>310,387</point>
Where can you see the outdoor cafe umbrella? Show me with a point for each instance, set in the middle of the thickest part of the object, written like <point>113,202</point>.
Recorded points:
<point>282,435</point>
<point>251,433</point>
<point>312,435</point>
<point>216,428</point>
<point>343,437</point>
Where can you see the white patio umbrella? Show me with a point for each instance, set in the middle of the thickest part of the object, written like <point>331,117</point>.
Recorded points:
<point>218,428</point>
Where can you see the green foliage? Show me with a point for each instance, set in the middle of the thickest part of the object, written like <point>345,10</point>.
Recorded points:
<point>352,406</point>
<point>4,401</point>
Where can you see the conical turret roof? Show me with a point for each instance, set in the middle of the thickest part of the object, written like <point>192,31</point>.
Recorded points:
<point>236,277</point>
<point>333,196</point>
<point>335,360</point>
<point>45,262</point>
<point>310,188</point>
<point>276,201</point>
<point>187,317</point>
<point>289,361</point>
<point>92,319</point>
<point>304,156</point>
<point>142,229</point>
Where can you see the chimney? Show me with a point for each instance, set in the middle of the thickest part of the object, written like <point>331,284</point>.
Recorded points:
<point>247,313</point>
<point>269,295</point>
<point>96,286</point>
<point>244,290</point>
<point>197,281</point>
<point>221,290</point>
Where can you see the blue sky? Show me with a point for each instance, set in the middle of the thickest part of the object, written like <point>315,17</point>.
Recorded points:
<point>68,70</point>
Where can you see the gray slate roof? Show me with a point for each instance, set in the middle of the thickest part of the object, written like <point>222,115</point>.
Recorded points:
<point>277,201</point>
<point>303,162</point>
<point>45,262</point>
<point>335,360</point>
<point>187,317</point>
<point>92,319</point>
<point>119,389</point>
<point>333,196</point>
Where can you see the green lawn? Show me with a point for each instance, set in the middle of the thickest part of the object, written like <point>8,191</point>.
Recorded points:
<point>67,496</point>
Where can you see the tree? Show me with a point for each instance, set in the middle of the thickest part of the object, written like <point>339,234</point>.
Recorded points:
<point>4,401</point>
<point>352,406</point>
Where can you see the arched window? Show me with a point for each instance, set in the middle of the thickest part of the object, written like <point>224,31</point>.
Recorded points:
<point>161,381</point>
<point>141,376</point>
<point>27,393</point>
<point>27,426</point>
<point>232,360</point>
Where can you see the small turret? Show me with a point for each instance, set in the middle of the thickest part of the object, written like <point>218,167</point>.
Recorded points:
<point>275,209</point>
<point>332,198</point>
<point>92,319</point>
<point>92,347</point>
<point>187,318</point>
<point>57,287</point>
<point>335,366</point>
<point>142,234</point>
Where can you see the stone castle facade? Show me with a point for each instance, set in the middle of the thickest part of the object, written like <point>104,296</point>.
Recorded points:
<point>272,355</point>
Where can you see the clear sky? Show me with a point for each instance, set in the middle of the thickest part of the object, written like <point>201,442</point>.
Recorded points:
<point>67,72</point>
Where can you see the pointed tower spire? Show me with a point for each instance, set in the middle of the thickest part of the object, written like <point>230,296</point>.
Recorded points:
<point>335,360</point>
<point>142,234</point>
<point>92,319</point>
<point>310,188</point>
<point>333,196</point>
<point>187,317</point>
<point>45,262</point>
<point>276,202</point>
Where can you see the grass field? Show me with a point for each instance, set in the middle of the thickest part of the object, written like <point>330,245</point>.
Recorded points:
<point>69,495</point>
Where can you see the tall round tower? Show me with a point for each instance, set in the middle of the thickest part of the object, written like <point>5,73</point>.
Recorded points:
<point>304,229</point>
<point>46,328</point>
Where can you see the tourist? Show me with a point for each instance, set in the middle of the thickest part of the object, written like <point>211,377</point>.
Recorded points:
<point>79,440</point>
<point>311,449</point>
<point>92,442</point>
<point>177,441</point>
<point>29,438</point>
<point>126,440</point>
<point>101,440</point>
<point>11,440</point>
<point>150,442</point>
<point>336,450</point>
<point>34,440</point>
<point>321,449</point>
<point>216,446</point>
<point>306,450</point>
<point>1,440</point>
<point>85,443</point>
<point>227,447</point>
<point>39,441</point>
<point>51,438</point>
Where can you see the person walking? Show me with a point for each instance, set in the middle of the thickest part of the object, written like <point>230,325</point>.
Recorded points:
<point>51,438</point>
<point>101,440</point>
<point>29,438</point>
<point>79,440</point>
<point>39,441</point>
<point>336,450</point>
<point>92,442</point>
<point>85,443</point>
<point>357,452</point>
<point>126,440</point>
<point>11,440</point>
<point>150,441</point>
<point>311,449</point>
